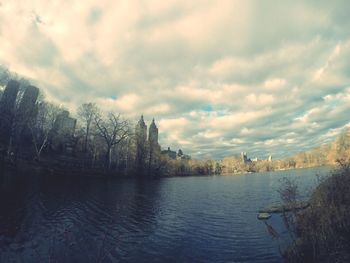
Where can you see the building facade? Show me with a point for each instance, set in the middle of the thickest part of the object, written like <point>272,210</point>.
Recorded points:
<point>140,141</point>
<point>7,111</point>
<point>62,135</point>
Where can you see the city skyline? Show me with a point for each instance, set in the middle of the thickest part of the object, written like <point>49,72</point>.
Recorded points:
<point>219,78</point>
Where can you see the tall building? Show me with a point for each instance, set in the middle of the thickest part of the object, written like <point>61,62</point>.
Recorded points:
<point>65,125</point>
<point>62,134</point>
<point>171,154</point>
<point>154,148</point>
<point>153,134</point>
<point>7,110</point>
<point>141,131</point>
<point>27,105</point>
<point>140,140</point>
<point>26,112</point>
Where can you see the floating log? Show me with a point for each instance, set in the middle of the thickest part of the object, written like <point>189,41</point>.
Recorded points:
<point>280,208</point>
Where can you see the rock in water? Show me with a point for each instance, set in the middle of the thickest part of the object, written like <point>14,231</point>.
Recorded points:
<point>264,216</point>
<point>281,208</point>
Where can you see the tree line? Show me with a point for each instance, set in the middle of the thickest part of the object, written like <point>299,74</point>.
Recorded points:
<point>106,141</point>
<point>95,141</point>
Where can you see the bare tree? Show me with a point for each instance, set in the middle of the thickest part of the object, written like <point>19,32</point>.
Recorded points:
<point>113,130</point>
<point>289,193</point>
<point>87,113</point>
<point>42,125</point>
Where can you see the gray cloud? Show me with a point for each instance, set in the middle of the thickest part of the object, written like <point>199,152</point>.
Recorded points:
<point>220,77</point>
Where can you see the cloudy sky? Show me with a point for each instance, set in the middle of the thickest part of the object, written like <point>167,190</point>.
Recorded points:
<point>219,77</point>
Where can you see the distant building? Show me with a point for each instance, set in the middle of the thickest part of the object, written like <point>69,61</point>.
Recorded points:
<point>153,136</point>
<point>141,131</point>
<point>175,156</point>
<point>182,156</point>
<point>7,111</point>
<point>150,149</point>
<point>62,134</point>
<point>147,151</point>
<point>244,157</point>
<point>171,154</point>
<point>27,111</point>
<point>65,125</point>
<point>27,105</point>
<point>255,159</point>
<point>246,160</point>
<point>153,145</point>
<point>140,140</point>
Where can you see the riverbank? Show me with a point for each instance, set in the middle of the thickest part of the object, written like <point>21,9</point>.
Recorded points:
<point>277,170</point>
<point>63,166</point>
<point>52,168</point>
<point>323,229</point>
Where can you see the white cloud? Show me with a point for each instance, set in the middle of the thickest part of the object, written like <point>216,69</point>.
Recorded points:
<point>319,72</point>
<point>275,84</point>
<point>220,77</point>
<point>231,120</point>
<point>263,99</point>
<point>125,103</point>
<point>172,124</point>
<point>246,131</point>
<point>158,109</point>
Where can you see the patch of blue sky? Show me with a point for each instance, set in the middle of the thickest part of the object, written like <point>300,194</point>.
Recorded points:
<point>208,108</point>
<point>95,15</point>
<point>333,103</point>
<point>218,110</point>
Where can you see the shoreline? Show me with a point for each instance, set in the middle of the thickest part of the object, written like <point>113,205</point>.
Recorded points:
<point>48,168</point>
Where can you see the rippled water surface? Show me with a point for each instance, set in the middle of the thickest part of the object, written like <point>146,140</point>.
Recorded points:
<point>191,219</point>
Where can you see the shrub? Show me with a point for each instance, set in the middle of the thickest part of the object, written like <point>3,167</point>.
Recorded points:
<point>323,230</point>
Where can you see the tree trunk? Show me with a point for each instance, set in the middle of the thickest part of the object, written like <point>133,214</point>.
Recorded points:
<point>86,137</point>
<point>150,160</point>
<point>127,157</point>
<point>109,157</point>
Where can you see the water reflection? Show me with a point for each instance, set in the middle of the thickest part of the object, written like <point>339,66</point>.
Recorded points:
<point>206,219</point>
<point>12,205</point>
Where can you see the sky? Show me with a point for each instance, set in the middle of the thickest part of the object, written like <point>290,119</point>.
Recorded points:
<point>220,77</point>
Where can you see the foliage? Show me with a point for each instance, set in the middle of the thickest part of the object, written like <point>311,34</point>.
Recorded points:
<point>323,230</point>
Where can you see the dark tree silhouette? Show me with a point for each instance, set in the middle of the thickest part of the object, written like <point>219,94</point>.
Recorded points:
<point>112,129</point>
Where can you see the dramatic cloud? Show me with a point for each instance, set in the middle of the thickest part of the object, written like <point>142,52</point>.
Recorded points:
<point>219,77</point>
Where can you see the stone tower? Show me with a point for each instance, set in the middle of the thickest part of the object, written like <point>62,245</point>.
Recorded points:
<point>140,141</point>
<point>154,148</point>
<point>27,111</point>
<point>141,131</point>
<point>153,134</point>
<point>7,107</point>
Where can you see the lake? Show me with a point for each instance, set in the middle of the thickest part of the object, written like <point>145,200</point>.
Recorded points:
<point>182,219</point>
